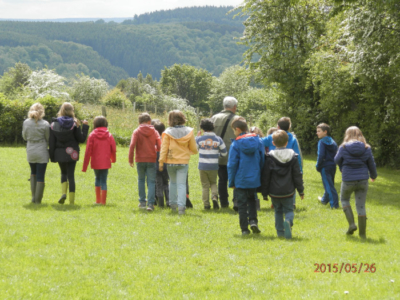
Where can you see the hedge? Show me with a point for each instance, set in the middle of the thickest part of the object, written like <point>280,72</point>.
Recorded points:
<point>14,112</point>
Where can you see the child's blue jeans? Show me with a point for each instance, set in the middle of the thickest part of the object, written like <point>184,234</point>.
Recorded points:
<point>177,184</point>
<point>146,169</point>
<point>330,195</point>
<point>101,178</point>
<point>283,206</point>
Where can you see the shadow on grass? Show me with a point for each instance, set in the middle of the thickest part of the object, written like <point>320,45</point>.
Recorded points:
<point>66,207</point>
<point>262,237</point>
<point>34,206</point>
<point>368,240</point>
<point>225,211</point>
<point>112,205</point>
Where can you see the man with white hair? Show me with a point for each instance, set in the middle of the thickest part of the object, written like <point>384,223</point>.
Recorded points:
<point>222,128</point>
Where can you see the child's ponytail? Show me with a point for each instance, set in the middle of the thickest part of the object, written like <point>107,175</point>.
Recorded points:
<point>36,111</point>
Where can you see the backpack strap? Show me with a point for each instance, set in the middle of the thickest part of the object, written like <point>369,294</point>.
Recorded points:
<point>226,125</point>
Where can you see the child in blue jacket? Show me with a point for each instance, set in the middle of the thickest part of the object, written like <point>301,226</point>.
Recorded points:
<point>327,149</point>
<point>245,162</point>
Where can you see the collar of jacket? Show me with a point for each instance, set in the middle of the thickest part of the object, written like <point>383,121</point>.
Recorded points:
<point>245,135</point>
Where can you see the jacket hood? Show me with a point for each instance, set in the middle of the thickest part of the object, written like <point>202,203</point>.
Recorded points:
<point>282,155</point>
<point>181,134</point>
<point>248,143</point>
<point>101,133</point>
<point>146,130</point>
<point>355,148</point>
<point>66,122</point>
<point>327,140</point>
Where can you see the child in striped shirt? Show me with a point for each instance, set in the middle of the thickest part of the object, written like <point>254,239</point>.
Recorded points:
<point>210,147</point>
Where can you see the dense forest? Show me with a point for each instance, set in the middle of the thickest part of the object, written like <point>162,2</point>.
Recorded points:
<point>190,14</point>
<point>114,51</point>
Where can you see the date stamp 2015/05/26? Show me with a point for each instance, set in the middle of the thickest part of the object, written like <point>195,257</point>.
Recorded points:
<point>345,268</point>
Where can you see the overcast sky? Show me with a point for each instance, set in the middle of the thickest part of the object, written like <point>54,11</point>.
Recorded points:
<point>56,9</point>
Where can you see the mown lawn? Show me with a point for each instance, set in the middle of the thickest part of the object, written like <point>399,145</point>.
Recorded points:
<point>118,252</point>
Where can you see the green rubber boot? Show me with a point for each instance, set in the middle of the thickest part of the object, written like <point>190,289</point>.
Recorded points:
<point>33,187</point>
<point>350,218</point>
<point>39,192</point>
<point>362,226</point>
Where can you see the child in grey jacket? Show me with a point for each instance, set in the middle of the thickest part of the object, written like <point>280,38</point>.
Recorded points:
<point>36,132</point>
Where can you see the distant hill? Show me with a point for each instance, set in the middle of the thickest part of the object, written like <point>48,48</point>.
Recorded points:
<point>71,20</point>
<point>219,15</point>
<point>114,51</point>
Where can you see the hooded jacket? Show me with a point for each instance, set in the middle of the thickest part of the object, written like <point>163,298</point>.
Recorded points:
<point>281,174</point>
<point>178,143</point>
<point>327,149</point>
<point>147,142</point>
<point>65,137</point>
<point>356,162</point>
<point>292,144</point>
<point>100,150</point>
<point>245,162</point>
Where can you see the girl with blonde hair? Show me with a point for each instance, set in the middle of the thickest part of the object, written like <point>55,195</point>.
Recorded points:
<point>36,132</point>
<point>65,136</point>
<point>357,165</point>
<point>178,143</point>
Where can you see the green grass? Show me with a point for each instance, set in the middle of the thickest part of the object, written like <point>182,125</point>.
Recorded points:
<point>51,251</point>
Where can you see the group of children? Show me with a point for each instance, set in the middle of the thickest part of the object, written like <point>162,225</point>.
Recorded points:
<point>271,165</point>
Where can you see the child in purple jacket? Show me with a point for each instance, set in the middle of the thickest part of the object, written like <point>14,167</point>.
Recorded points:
<point>357,165</point>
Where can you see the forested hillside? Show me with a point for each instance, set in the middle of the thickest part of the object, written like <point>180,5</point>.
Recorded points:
<point>115,51</point>
<point>212,14</point>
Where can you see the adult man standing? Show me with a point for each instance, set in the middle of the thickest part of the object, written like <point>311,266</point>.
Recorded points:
<point>222,128</point>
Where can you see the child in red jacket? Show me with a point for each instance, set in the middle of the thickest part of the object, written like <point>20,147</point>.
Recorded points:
<point>146,140</point>
<point>101,152</point>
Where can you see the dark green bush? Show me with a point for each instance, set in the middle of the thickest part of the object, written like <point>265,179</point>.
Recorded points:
<point>14,112</point>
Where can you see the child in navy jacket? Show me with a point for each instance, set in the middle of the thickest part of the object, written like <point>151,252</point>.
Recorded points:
<point>327,149</point>
<point>357,164</point>
<point>245,162</point>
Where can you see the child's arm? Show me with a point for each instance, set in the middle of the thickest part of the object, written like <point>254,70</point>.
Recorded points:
<point>233,164</point>
<point>297,177</point>
<point>158,141</point>
<point>339,158</point>
<point>132,148</point>
<point>266,178</point>
<point>113,149</point>
<point>222,148</point>
<point>193,145</point>
<point>47,133</point>
<point>267,141</point>
<point>372,166</point>
<point>297,149</point>
<point>321,155</point>
<point>88,153</point>
<point>52,145</point>
<point>164,151</point>
<point>261,150</point>
<point>81,135</point>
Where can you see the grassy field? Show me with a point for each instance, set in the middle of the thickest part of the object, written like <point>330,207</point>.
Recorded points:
<point>51,251</point>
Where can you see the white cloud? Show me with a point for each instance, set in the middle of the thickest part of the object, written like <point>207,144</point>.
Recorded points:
<point>55,9</point>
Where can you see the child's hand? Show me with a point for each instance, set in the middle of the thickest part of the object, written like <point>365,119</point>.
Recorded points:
<point>372,180</point>
<point>161,168</point>
<point>131,164</point>
<point>302,197</point>
<point>199,133</point>
<point>85,122</point>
